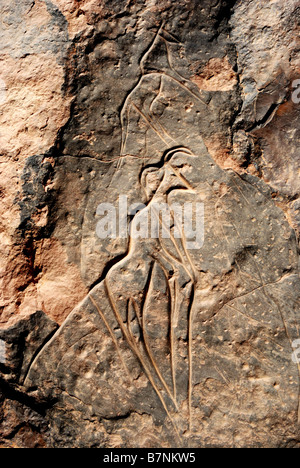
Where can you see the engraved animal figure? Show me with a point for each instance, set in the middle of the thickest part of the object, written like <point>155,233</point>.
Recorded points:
<point>151,290</point>
<point>200,331</point>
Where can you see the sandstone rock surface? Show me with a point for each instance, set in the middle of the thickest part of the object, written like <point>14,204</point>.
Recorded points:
<point>145,342</point>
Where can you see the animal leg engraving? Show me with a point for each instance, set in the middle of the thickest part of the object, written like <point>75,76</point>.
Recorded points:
<point>133,345</point>
<point>111,334</point>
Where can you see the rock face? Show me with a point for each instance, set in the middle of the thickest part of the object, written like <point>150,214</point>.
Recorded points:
<point>186,338</point>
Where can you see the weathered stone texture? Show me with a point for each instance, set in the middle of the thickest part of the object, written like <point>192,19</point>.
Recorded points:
<point>144,342</point>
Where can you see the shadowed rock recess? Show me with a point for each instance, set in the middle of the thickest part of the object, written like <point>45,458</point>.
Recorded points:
<point>145,342</point>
